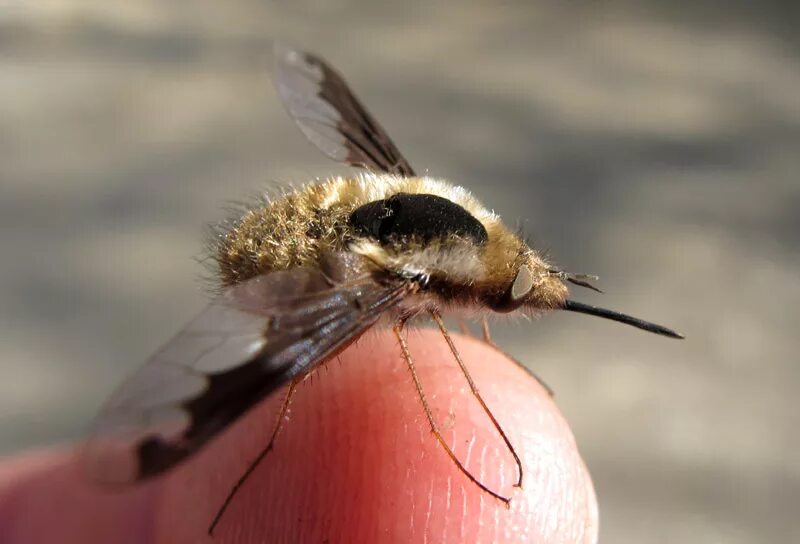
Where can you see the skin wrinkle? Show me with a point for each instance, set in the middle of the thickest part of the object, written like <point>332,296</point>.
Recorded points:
<point>462,526</point>
<point>443,536</point>
<point>577,531</point>
<point>553,514</point>
<point>503,485</point>
<point>448,496</point>
<point>428,513</point>
<point>410,493</point>
<point>496,516</point>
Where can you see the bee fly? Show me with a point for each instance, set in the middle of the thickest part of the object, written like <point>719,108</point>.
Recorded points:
<point>305,275</point>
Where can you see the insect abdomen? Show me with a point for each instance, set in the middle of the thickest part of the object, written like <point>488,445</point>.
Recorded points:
<point>280,235</point>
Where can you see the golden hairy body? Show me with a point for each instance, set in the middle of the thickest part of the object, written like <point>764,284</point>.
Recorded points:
<point>296,229</point>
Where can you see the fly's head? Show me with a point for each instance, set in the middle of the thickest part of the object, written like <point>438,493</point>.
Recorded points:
<point>458,256</point>
<point>528,284</point>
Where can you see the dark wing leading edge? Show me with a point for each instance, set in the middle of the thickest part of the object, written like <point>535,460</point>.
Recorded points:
<point>330,115</point>
<point>248,342</point>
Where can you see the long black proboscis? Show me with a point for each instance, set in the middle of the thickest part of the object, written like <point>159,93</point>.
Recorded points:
<point>581,308</point>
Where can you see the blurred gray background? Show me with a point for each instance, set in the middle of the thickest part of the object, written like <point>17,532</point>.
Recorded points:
<point>656,144</point>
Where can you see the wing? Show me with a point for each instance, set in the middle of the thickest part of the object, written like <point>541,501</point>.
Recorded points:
<point>248,342</point>
<point>330,115</point>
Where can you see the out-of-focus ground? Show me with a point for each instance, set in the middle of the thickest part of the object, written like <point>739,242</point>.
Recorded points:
<point>652,143</point>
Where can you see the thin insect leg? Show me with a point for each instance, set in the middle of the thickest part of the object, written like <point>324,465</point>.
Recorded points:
<point>434,426</point>
<point>476,393</point>
<point>487,337</point>
<point>275,430</point>
<point>463,328</point>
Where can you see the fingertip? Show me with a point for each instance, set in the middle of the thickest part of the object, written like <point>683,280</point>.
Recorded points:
<point>356,461</point>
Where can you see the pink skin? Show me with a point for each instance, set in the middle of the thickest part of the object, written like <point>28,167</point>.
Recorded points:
<point>355,462</point>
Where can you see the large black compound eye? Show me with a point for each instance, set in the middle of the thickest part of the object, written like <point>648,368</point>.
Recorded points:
<point>419,217</point>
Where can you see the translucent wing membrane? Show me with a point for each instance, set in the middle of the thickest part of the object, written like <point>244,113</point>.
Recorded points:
<point>248,342</point>
<point>330,115</point>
